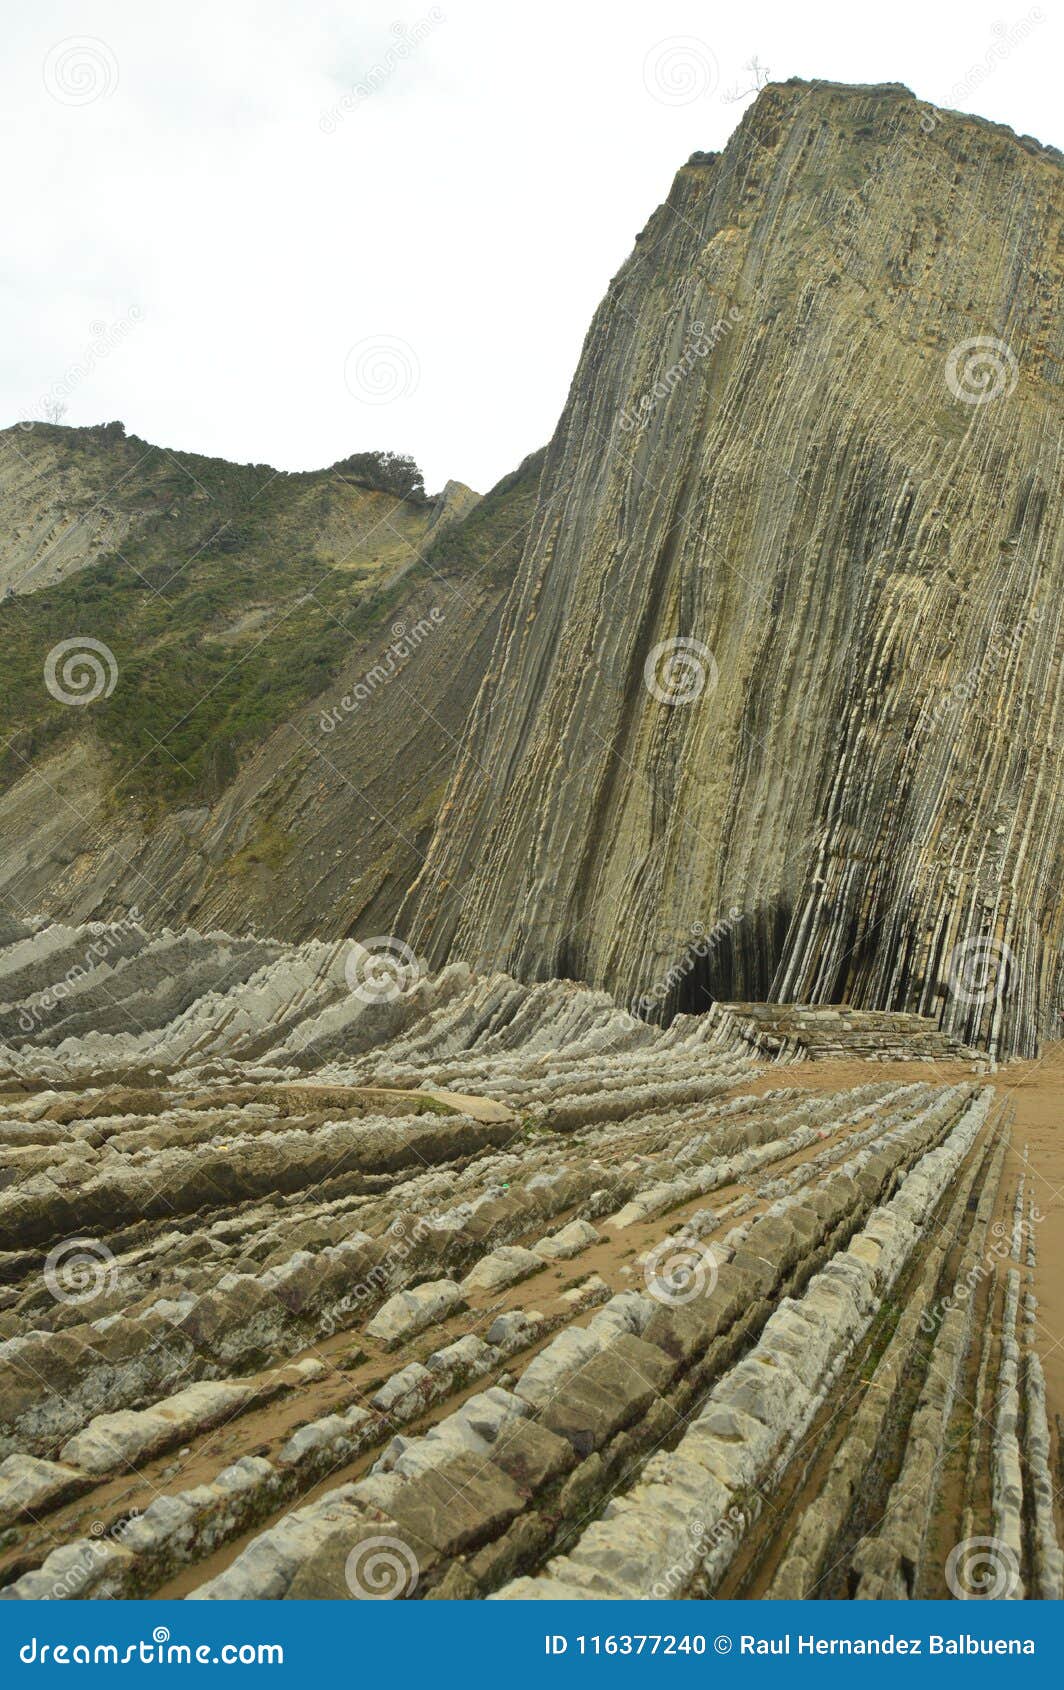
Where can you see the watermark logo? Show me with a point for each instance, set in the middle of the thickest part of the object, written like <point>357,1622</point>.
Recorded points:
<point>978,970</point>
<point>680,69</point>
<point>104,338</point>
<point>381,1569</point>
<point>406,638</point>
<point>407,40</point>
<point>980,370</point>
<point>79,1270</point>
<point>982,1568</point>
<point>705,1540</point>
<point>381,369</point>
<point>404,1241</point>
<point>679,1269</point>
<point>79,671</point>
<point>32,1015</point>
<point>700,945</point>
<point>382,969</point>
<point>680,670</point>
<point>1007,38</point>
<point>79,70</point>
<point>996,1255</point>
<point>699,344</point>
<point>997,652</point>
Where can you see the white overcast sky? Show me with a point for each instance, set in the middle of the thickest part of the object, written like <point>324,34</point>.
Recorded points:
<point>258,230</point>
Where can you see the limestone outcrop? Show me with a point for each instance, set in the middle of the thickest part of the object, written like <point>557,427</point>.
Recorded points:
<point>775,711</point>
<point>301,1246</point>
<point>632,1208</point>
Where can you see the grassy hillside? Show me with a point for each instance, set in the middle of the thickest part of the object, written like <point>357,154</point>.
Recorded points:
<point>231,604</point>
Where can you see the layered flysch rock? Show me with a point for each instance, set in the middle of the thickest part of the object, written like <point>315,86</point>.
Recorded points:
<point>322,1278</point>
<point>292,658</point>
<point>782,666</point>
<point>81,1004</point>
<point>220,1343</point>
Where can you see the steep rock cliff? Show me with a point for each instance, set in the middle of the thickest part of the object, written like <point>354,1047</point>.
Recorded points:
<point>775,710</point>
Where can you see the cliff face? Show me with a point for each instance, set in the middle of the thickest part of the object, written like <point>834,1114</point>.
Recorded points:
<point>293,659</point>
<point>64,503</point>
<point>775,709</point>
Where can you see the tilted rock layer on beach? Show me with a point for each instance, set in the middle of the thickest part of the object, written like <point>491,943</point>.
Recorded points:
<point>316,1287</point>
<point>784,651</point>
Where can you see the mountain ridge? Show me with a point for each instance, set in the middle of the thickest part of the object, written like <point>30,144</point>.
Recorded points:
<point>233,620</point>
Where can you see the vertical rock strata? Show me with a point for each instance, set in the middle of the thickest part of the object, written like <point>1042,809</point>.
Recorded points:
<point>843,784</point>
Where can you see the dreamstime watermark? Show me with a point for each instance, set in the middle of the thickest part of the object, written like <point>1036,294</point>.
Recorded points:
<point>1009,37</point>
<point>680,670</point>
<point>382,969</point>
<point>699,344</point>
<point>406,638</point>
<point>680,69</point>
<point>159,1651</point>
<point>79,70</point>
<point>979,969</point>
<point>997,1253</point>
<point>79,1270</point>
<point>381,1569</point>
<point>403,1239</point>
<point>679,1269</point>
<point>704,1541</point>
<point>982,1568</point>
<point>95,953</point>
<point>380,369</point>
<point>966,689</point>
<point>700,945</point>
<point>105,338</point>
<point>980,370</point>
<point>407,39</point>
<point>80,671</point>
<point>91,1554</point>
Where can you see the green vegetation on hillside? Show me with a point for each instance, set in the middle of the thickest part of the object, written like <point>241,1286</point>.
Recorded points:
<point>490,540</point>
<point>227,611</point>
